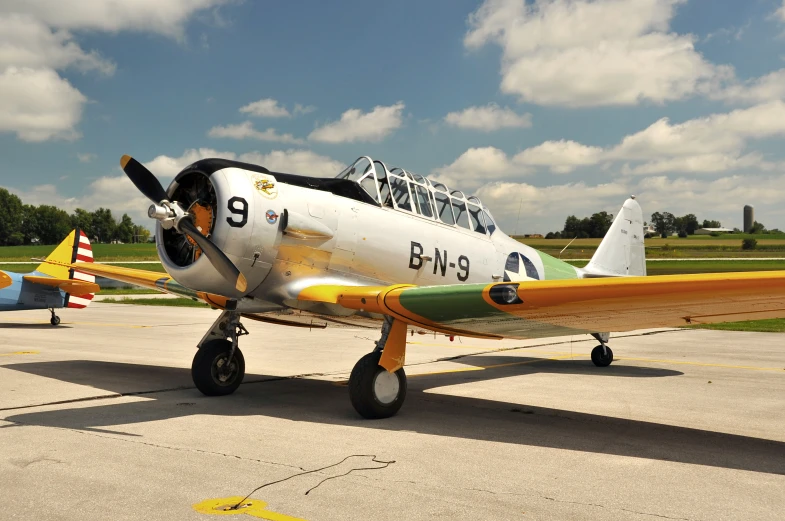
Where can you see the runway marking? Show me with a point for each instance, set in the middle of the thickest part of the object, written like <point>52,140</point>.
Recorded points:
<point>21,353</point>
<point>251,507</point>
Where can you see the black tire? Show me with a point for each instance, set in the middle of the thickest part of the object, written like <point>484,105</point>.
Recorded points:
<point>599,357</point>
<point>362,385</point>
<point>55,320</point>
<point>207,374</point>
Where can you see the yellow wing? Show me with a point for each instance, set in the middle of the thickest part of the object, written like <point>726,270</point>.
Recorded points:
<point>551,308</point>
<point>72,286</point>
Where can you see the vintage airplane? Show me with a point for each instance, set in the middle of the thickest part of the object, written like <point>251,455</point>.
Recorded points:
<point>390,249</point>
<point>54,283</point>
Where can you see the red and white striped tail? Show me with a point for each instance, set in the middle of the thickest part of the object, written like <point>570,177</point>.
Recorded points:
<point>83,252</point>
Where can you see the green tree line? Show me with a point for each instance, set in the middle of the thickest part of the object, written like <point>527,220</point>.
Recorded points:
<point>665,223</point>
<point>27,224</point>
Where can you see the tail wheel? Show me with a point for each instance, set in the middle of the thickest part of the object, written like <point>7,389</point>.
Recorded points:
<point>212,371</point>
<point>602,357</point>
<point>375,392</point>
<point>55,320</point>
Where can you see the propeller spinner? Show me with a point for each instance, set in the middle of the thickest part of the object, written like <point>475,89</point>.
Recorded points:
<point>170,214</point>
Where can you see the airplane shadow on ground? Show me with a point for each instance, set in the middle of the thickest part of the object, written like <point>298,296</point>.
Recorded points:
<point>42,325</point>
<point>320,401</point>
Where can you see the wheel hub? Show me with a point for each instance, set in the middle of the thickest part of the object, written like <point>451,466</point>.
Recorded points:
<point>224,372</point>
<point>386,387</point>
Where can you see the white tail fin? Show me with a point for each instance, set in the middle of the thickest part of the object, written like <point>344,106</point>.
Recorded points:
<point>621,253</point>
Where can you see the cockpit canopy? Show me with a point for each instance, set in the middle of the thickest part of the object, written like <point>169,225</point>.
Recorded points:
<point>408,192</point>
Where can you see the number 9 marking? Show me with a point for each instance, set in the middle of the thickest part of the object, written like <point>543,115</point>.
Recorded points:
<point>242,211</point>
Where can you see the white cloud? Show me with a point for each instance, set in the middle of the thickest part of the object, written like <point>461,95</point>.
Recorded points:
<point>725,133</point>
<point>488,118</point>
<point>781,11</point>
<point>712,144</point>
<point>561,156</point>
<point>38,105</point>
<point>168,17</point>
<point>756,90</point>
<point>303,109</point>
<point>303,162</point>
<point>246,130</point>
<point>27,42</point>
<point>477,166</point>
<point>164,166</point>
<point>86,157</point>
<point>356,126</point>
<point>581,53</point>
<point>265,108</point>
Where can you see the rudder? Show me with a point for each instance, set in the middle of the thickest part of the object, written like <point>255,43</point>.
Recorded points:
<point>621,252</point>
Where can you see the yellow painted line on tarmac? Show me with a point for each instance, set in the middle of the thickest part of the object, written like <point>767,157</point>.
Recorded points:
<point>251,507</point>
<point>21,353</point>
<point>104,324</point>
<point>100,324</point>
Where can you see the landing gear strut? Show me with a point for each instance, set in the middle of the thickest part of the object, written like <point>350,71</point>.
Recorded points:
<point>602,356</point>
<point>377,385</point>
<point>218,367</point>
<point>55,320</point>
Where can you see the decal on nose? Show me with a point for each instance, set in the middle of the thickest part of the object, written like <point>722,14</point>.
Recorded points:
<point>271,216</point>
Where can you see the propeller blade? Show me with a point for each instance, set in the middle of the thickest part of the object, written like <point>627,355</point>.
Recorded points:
<point>143,179</point>
<point>218,258</point>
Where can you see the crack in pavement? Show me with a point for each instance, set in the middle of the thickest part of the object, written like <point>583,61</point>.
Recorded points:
<point>618,509</point>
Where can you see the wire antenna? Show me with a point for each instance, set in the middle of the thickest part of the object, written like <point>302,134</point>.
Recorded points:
<point>568,245</point>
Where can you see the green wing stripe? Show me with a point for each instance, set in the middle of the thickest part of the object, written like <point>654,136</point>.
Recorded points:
<point>445,304</point>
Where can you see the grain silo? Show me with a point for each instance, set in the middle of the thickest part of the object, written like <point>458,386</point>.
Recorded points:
<point>749,218</point>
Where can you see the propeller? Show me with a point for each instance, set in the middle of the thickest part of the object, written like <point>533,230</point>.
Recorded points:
<point>182,221</point>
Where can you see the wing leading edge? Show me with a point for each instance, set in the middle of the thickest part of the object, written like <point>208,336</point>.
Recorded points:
<point>562,307</point>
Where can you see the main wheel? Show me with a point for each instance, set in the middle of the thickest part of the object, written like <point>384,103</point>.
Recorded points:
<point>375,392</point>
<point>55,320</point>
<point>600,357</point>
<point>212,371</point>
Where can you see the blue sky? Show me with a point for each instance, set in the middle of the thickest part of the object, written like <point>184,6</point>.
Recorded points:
<point>553,106</point>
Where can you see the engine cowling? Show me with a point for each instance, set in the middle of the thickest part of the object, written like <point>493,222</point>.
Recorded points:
<point>238,209</point>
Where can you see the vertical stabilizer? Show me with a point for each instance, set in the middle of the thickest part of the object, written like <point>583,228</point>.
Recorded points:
<point>75,248</point>
<point>621,253</point>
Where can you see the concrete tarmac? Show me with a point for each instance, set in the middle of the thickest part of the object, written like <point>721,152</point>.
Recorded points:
<point>99,419</point>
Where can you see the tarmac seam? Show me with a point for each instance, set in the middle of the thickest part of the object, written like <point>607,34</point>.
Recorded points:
<point>156,445</point>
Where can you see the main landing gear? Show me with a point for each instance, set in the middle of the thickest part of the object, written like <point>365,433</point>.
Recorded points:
<point>602,356</point>
<point>377,385</point>
<point>218,367</point>
<point>55,320</point>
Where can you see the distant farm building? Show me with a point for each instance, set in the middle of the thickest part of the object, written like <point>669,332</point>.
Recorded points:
<point>709,231</point>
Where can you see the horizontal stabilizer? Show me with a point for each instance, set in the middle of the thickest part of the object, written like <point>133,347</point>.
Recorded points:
<point>5,280</point>
<point>72,286</point>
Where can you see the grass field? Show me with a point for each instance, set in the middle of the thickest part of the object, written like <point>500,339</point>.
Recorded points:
<point>773,325</point>
<point>727,245</point>
<point>101,252</point>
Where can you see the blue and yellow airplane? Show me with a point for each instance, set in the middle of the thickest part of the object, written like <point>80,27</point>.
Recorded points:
<point>52,286</point>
